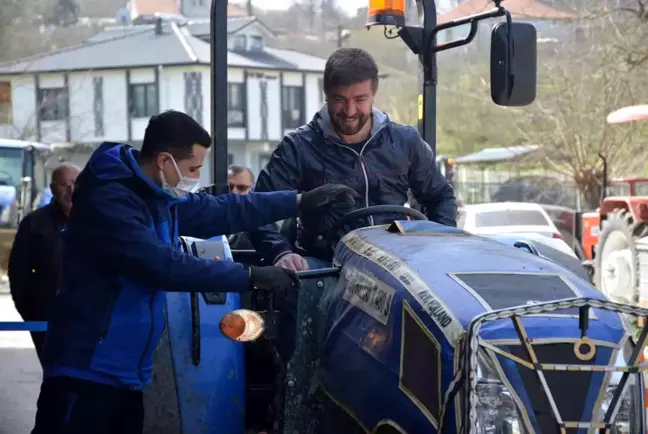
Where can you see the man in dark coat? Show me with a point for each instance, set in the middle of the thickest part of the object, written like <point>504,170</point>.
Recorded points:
<point>350,142</point>
<point>34,263</point>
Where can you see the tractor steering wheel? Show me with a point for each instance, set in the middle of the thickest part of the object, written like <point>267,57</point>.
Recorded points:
<point>332,236</point>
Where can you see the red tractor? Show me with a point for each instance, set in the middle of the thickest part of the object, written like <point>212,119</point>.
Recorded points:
<point>621,220</point>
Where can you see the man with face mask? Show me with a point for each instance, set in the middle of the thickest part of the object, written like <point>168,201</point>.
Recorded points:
<point>121,254</point>
<point>34,262</point>
<point>350,142</point>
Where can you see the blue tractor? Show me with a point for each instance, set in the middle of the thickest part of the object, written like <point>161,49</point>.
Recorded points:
<point>22,179</point>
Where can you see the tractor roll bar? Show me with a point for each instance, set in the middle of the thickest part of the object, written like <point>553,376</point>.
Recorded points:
<point>218,39</point>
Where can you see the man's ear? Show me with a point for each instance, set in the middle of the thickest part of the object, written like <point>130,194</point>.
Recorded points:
<point>160,159</point>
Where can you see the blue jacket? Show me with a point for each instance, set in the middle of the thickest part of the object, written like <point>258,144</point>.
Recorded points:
<point>121,253</point>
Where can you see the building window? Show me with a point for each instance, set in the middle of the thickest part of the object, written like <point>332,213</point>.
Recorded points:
<point>193,98</point>
<point>144,102</point>
<point>292,104</point>
<point>6,110</point>
<point>239,43</point>
<point>230,159</point>
<point>53,104</point>
<point>98,105</point>
<point>256,43</point>
<point>235,105</point>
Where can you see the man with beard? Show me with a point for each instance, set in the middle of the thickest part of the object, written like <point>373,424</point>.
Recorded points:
<point>348,142</point>
<point>34,262</point>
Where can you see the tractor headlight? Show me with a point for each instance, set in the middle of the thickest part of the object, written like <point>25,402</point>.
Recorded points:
<point>242,325</point>
<point>497,412</point>
<point>629,410</point>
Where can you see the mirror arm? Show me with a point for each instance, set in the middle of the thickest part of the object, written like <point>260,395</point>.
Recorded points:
<point>412,36</point>
<point>473,20</point>
<point>474,26</point>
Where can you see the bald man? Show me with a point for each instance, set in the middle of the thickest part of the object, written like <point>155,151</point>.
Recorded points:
<point>34,262</point>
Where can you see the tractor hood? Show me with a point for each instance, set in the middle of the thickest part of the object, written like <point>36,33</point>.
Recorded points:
<point>408,294</point>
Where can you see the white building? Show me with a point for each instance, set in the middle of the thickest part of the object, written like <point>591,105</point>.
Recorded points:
<point>107,88</point>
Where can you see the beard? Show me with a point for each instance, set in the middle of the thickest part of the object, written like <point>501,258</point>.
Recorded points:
<point>349,126</point>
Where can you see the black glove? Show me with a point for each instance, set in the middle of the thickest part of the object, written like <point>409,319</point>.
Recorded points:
<point>327,194</point>
<point>273,278</point>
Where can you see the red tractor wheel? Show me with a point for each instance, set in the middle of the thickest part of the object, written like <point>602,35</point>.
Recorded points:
<point>616,263</point>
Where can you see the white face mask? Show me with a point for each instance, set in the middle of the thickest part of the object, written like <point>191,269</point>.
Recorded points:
<point>185,186</point>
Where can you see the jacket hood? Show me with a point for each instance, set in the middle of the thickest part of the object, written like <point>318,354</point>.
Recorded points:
<point>116,161</point>
<point>322,122</point>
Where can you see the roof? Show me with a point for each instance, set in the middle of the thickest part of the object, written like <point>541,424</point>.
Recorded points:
<point>497,155</point>
<point>140,46</point>
<point>521,9</point>
<point>202,28</point>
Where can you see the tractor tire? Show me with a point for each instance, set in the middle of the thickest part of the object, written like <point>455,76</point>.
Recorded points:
<point>616,269</point>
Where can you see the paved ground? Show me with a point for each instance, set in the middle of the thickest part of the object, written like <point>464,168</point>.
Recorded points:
<point>20,375</point>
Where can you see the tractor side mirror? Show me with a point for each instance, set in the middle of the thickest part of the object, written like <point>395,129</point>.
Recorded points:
<point>513,64</point>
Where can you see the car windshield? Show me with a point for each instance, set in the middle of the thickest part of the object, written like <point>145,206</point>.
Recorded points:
<point>619,189</point>
<point>10,165</point>
<point>641,188</point>
<point>510,217</point>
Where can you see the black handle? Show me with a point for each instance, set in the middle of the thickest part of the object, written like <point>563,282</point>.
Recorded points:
<point>195,329</point>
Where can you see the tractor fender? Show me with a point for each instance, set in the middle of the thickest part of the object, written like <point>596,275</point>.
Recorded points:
<point>609,205</point>
<point>637,206</point>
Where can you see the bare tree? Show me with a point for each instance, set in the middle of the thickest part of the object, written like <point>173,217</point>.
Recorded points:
<point>29,27</point>
<point>582,81</point>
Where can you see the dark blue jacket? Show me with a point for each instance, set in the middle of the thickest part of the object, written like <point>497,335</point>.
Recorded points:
<point>121,253</point>
<point>394,160</point>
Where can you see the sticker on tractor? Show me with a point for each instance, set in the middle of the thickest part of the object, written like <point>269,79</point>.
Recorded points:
<point>368,294</point>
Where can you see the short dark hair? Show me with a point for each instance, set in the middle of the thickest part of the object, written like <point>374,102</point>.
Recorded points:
<point>347,66</point>
<point>173,132</point>
<point>235,170</point>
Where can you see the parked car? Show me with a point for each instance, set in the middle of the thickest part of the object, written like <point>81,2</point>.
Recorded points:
<point>511,221</point>
<point>507,217</point>
<point>512,218</point>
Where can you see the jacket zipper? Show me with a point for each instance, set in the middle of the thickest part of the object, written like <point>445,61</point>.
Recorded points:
<point>111,309</point>
<point>363,167</point>
<point>148,340</point>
